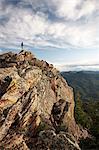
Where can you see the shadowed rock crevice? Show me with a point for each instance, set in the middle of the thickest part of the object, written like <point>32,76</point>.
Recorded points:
<point>36,105</point>
<point>4,84</point>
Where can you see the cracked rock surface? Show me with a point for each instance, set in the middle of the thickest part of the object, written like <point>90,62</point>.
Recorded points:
<point>36,106</point>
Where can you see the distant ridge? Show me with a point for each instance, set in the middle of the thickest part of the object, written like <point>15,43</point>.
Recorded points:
<point>85,82</point>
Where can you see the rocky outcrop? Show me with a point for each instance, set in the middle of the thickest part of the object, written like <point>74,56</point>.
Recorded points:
<point>36,105</point>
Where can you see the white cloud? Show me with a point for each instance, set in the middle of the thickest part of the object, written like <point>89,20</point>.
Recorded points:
<point>78,67</point>
<point>88,7</point>
<point>34,27</point>
<point>75,9</point>
<point>67,8</point>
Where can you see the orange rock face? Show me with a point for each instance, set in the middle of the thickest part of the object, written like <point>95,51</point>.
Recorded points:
<point>34,97</point>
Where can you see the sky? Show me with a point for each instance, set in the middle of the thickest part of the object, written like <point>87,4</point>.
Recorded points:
<point>62,32</point>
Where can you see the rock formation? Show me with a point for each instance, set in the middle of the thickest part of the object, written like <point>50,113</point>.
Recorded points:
<point>36,106</point>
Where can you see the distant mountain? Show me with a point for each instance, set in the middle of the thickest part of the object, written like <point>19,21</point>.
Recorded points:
<point>84,82</point>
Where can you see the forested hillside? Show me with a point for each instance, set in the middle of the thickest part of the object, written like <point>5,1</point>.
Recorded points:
<point>85,82</point>
<point>86,90</point>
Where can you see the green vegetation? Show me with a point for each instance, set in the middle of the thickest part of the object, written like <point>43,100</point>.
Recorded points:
<point>80,115</point>
<point>92,109</point>
<point>86,83</point>
<point>86,90</point>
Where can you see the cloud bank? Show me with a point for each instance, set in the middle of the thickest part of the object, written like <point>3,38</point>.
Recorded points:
<point>49,24</point>
<point>78,67</point>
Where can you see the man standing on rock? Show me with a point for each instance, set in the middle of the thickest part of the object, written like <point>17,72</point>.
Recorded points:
<point>22,45</point>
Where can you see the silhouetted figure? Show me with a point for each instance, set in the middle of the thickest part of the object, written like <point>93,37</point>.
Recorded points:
<point>22,45</point>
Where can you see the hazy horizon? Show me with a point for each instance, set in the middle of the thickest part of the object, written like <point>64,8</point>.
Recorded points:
<point>62,32</point>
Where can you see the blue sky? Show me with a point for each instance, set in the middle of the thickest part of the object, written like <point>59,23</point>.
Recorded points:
<point>62,32</point>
